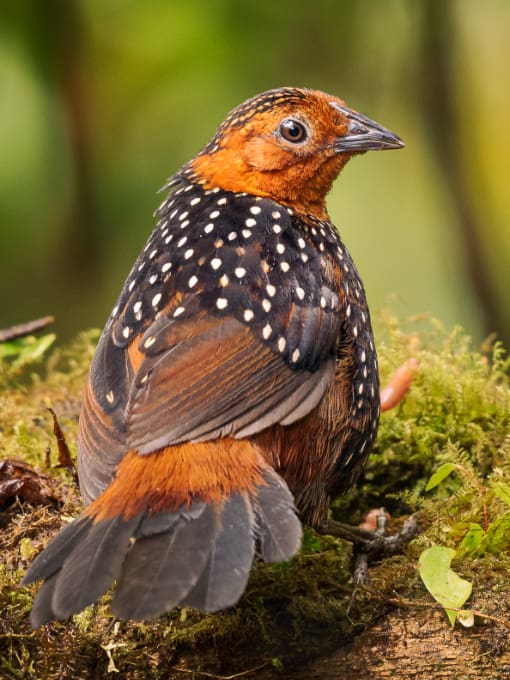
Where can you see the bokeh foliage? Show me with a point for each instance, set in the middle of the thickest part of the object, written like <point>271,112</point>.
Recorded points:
<point>101,101</point>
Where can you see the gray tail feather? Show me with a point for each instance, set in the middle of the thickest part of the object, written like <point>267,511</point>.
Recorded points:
<point>198,557</point>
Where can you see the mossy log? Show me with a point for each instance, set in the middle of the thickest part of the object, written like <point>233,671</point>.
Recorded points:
<point>302,619</point>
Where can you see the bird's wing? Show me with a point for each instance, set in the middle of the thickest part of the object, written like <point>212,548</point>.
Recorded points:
<point>221,329</point>
<point>196,379</point>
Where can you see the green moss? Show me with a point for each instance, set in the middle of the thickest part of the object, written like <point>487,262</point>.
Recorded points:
<point>458,410</point>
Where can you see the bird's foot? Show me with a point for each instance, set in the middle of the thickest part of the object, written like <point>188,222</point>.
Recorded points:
<point>371,545</point>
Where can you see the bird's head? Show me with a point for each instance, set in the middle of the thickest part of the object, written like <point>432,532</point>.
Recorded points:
<point>287,144</point>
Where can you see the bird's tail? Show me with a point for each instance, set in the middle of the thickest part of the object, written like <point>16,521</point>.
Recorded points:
<point>168,545</point>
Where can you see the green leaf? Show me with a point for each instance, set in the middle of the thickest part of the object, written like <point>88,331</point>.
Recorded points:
<point>445,586</point>
<point>497,537</point>
<point>24,351</point>
<point>471,540</point>
<point>502,491</point>
<point>440,474</point>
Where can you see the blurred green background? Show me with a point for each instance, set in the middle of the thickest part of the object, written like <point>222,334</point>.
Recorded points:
<point>101,100</point>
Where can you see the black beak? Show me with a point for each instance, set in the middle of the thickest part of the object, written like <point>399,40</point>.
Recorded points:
<point>364,134</point>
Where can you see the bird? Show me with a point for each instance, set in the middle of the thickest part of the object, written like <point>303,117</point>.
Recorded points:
<point>234,390</point>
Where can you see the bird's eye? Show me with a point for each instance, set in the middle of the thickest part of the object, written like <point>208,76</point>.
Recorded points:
<point>292,131</point>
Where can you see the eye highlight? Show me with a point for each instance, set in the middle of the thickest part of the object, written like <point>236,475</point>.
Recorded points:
<point>292,131</point>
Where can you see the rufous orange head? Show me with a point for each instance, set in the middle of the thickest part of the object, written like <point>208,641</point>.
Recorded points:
<point>287,144</point>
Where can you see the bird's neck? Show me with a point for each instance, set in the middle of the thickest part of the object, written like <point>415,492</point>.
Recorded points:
<point>293,186</point>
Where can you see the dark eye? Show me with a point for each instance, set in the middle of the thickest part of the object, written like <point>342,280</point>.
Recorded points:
<point>292,131</point>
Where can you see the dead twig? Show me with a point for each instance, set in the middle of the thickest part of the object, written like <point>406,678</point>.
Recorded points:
<point>64,455</point>
<point>23,329</point>
<point>220,677</point>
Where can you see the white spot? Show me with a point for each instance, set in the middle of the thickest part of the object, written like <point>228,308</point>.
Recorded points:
<point>115,310</point>
<point>255,210</point>
<point>281,344</point>
<point>360,403</point>
<point>276,228</point>
<point>250,222</point>
<point>295,355</point>
<point>188,253</point>
<point>266,305</point>
<point>246,233</point>
<point>216,263</point>
<point>156,299</point>
<point>301,242</point>
<point>360,389</point>
<point>214,214</point>
<point>195,201</point>
<point>240,272</point>
<point>348,460</point>
<point>218,243</point>
<point>321,247</point>
<point>275,215</point>
<point>304,257</point>
<point>126,331</point>
<point>208,228</point>
<point>183,215</point>
<point>137,309</point>
<point>149,342</point>
<point>340,253</point>
<point>232,236</point>
<point>153,254</point>
<point>215,190</point>
<point>266,331</point>
<point>264,266</point>
<point>363,356</point>
<point>221,201</point>
<point>271,290</point>
<point>184,224</point>
<point>314,231</point>
<point>221,303</point>
<point>363,317</point>
<point>182,241</point>
<point>290,211</point>
<point>300,293</point>
<point>248,315</point>
<point>348,311</point>
<point>192,281</point>
<point>164,233</point>
<point>131,285</point>
<point>224,281</point>
<point>153,279</point>
<point>365,372</point>
<point>166,267</point>
<point>284,266</point>
<point>323,301</point>
<point>178,311</point>
<point>280,248</point>
<point>168,239</point>
<point>110,397</point>
<point>355,331</point>
<point>173,214</point>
